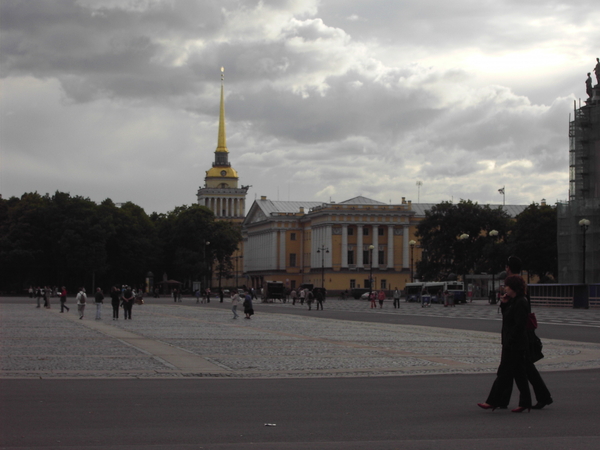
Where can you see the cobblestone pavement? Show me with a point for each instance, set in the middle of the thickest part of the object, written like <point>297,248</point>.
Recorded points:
<point>188,340</point>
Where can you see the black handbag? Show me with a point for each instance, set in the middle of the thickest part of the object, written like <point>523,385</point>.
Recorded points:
<point>535,346</point>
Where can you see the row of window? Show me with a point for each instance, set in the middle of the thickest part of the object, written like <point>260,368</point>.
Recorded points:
<point>366,257</point>
<point>382,284</point>
<point>380,232</point>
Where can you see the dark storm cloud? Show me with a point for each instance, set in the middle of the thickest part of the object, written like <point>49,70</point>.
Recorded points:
<point>336,98</point>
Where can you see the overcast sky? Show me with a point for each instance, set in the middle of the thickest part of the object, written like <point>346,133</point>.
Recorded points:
<point>325,100</point>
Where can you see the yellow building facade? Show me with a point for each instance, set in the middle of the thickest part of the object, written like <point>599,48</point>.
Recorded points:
<point>334,245</point>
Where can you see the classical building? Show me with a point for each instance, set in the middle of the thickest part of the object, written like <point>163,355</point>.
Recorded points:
<point>222,195</point>
<point>337,245</point>
<point>578,241</point>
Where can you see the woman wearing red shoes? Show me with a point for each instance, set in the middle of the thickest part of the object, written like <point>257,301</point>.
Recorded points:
<point>515,312</point>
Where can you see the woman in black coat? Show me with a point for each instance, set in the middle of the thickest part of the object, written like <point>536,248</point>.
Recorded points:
<point>515,312</point>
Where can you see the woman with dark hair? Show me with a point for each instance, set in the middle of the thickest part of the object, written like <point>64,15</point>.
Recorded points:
<point>515,313</point>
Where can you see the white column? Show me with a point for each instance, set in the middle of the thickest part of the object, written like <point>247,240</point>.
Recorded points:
<point>375,253</point>
<point>390,247</point>
<point>328,244</point>
<point>405,248</point>
<point>359,246</point>
<point>344,246</point>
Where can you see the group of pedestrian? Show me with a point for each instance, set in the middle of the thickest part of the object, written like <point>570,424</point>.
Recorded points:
<point>309,296</point>
<point>380,296</point>
<point>516,360</point>
<point>120,297</point>
<point>42,293</point>
<point>246,298</point>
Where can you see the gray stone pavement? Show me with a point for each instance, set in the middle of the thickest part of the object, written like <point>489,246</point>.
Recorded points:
<point>186,340</point>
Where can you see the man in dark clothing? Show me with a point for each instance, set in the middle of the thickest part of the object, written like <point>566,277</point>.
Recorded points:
<point>63,299</point>
<point>127,302</point>
<point>319,297</point>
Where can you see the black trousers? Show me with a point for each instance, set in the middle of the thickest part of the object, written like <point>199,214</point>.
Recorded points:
<point>115,307</point>
<point>127,309</point>
<point>512,367</point>
<point>542,393</point>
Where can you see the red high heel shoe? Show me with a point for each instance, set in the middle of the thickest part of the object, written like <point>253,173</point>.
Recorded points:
<point>520,409</point>
<point>486,406</point>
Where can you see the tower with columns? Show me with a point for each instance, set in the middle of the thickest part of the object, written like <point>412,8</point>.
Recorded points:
<point>221,193</point>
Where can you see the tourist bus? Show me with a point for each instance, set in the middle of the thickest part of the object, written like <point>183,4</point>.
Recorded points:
<point>437,288</point>
<point>412,291</point>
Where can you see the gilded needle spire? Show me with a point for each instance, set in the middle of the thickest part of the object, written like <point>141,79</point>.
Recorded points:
<point>222,142</point>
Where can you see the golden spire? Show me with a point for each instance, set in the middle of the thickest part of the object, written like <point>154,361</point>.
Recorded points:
<point>222,142</point>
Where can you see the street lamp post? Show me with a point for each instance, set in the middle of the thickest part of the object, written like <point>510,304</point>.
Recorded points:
<point>206,244</point>
<point>493,234</point>
<point>236,270</point>
<point>412,250</point>
<point>371,247</point>
<point>322,250</point>
<point>464,237</point>
<point>584,224</point>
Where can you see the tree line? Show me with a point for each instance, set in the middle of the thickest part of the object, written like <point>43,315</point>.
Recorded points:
<point>489,237</point>
<point>60,239</point>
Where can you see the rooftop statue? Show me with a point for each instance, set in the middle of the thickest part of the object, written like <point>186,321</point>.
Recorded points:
<point>597,70</point>
<point>588,85</point>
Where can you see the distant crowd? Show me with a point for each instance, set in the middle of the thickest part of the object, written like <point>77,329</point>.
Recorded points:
<point>121,297</point>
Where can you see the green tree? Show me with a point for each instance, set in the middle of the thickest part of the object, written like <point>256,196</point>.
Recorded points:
<point>534,240</point>
<point>184,233</point>
<point>443,253</point>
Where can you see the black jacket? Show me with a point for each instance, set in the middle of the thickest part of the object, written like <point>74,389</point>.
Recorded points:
<point>514,320</point>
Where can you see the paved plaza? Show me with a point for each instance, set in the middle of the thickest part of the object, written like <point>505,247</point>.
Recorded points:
<point>168,340</point>
<point>187,376</point>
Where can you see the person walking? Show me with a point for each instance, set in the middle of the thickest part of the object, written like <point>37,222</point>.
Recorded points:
<point>235,301</point>
<point>81,300</point>
<point>128,298</point>
<point>514,347</point>
<point>115,299</point>
<point>320,296</point>
<point>302,296</point>
<point>396,296</point>
<point>248,308</point>
<point>293,294</point>
<point>381,296</point>
<point>47,292</point>
<point>38,296</point>
<point>542,393</point>
<point>63,299</point>
<point>99,297</point>
<point>309,299</point>
<point>373,299</point>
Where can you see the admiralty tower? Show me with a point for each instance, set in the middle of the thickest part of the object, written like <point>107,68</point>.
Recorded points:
<point>221,193</point>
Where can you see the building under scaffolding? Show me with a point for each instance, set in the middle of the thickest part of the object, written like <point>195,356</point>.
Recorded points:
<point>574,265</point>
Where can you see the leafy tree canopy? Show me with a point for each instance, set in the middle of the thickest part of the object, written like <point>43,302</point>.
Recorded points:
<point>444,253</point>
